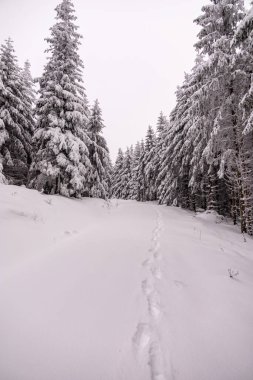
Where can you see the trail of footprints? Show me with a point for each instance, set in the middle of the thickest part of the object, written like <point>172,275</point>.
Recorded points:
<point>146,339</point>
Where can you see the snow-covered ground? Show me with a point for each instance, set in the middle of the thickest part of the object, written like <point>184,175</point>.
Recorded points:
<point>91,290</point>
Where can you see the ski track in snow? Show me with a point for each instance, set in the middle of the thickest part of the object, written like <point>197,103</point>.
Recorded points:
<point>146,339</point>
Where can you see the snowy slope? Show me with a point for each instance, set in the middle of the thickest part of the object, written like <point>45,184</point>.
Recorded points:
<point>121,291</point>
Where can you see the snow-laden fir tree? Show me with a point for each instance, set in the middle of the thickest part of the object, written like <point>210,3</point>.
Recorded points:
<point>61,164</point>
<point>245,28</point>
<point>192,121</point>
<point>16,119</point>
<point>109,178</point>
<point>203,158</point>
<point>243,39</point>
<point>99,155</point>
<point>140,184</point>
<point>161,134</point>
<point>150,169</point>
<point>191,164</point>
<point>218,24</point>
<point>127,174</point>
<point>173,177</point>
<point>29,84</point>
<point>117,176</point>
<point>134,182</point>
<point>192,158</point>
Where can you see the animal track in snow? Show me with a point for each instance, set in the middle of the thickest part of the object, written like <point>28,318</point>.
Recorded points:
<point>146,337</point>
<point>146,287</point>
<point>156,362</point>
<point>157,255</point>
<point>180,284</point>
<point>156,272</point>
<point>141,337</point>
<point>154,307</point>
<point>147,263</point>
<point>24,214</point>
<point>68,233</point>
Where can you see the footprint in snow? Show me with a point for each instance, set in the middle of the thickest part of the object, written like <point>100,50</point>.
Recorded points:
<point>156,362</point>
<point>146,287</point>
<point>180,284</point>
<point>154,307</point>
<point>141,337</point>
<point>147,263</point>
<point>157,255</point>
<point>156,273</point>
<point>69,233</point>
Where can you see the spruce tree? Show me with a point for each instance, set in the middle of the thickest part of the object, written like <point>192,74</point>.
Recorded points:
<point>223,151</point>
<point>140,175</point>
<point>99,155</point>
<point>61,164</point>
<point>201,164</point>
<point>157,161</point>
<point>117,176</point>
<point>150,172</point>
<point>173,178</point>
<point>127,174</point>
<point>136,156</point>
<point>29,86</point>
<point>244,41</point>
<point>16,119</point>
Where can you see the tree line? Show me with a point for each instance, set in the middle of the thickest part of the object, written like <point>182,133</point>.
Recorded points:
<point>52,141</point>
<point>202,156</point>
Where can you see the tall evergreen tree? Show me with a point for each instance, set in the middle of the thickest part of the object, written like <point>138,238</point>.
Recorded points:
<point>99,155</point>
<point>244,40</point>
<point>61,164</point>
<point>29,84</point>
<point>140,175</point>
<point>16,119</point>
<point>117,176</point>
<point>218,24</point>
<point>203,157</point>
<point>173,178</point>
<point>150,170</point>
<point>127,174</point>
<point>134,181</point>
<point>161,134</point>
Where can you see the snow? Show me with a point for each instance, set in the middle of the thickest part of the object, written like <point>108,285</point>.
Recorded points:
<point>244,27</point>
<point>121,290</point>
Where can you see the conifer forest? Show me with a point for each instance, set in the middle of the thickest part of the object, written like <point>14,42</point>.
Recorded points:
<point>121,259</point>
<point>198,157</point>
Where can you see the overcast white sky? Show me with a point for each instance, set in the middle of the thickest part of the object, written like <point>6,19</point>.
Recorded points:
<point>135,54</point>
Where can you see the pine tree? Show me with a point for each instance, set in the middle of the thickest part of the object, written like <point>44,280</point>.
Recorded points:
<point>173,178</point>
<point>134,185</point>
<point>99,155</point>
<point>140,175</point>
<point>244,40</point>
<point>161,133</point>
<point>16,119</point>
<point>127,174</point>
<point>150,173</point>
<point>202,158</point>
<point>117,183</point>
<point>244,32</point>
<point>201,165</point>
<point>218,24</point>
<point>109,178</point>
<point>29,86</point>
<point>61,164</point>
